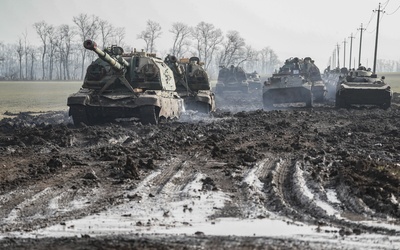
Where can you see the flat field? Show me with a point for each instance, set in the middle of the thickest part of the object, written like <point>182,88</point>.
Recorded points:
<point>392,78</point>
<point>42,96</point>
<point>38,96</point>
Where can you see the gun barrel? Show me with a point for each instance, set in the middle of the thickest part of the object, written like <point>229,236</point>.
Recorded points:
<point>91,45</point>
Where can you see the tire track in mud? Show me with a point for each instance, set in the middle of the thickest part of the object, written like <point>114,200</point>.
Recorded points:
<point>292,192</point>
<point>37,206</point>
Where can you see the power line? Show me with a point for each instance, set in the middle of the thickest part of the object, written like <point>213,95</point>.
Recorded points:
<point>394,11</point>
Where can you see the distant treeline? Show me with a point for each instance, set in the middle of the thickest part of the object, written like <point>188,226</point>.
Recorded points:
<point>61,55</point>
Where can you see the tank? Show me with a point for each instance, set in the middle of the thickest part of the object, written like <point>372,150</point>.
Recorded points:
<point>125,85</point>
<point>192,83</point>
<point>288,85</point>
<point>231,79</point>
<point>362,87</point>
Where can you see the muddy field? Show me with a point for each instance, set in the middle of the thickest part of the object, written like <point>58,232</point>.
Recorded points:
<point>241,178</point>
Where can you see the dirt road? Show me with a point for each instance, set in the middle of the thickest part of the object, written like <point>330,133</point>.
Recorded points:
<point>295,177</point>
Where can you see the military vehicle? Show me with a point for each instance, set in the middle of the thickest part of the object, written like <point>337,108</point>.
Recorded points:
<point>192,83</point>
<point>289,85</point>
<point>125,85</point>
<point>232,79</point>
<point>311,72</point>
<point>362,87</point>
<point>331,78</point>
<point>254,80</point>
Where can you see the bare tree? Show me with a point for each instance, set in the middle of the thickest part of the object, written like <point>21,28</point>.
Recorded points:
<point>87,29</point>
<point>181,34</point>
<point>233,49</point>
<point>269,60</point>
<point>25,34</point>
<point>42,31</point>
<point>20,52</point>
<point>32,53</point>
<point>67,35</point>
<point>106,31</point>
<point>52,35</point>
<point>119,36</point>
<point>150,34</point>
<point>207,40</point>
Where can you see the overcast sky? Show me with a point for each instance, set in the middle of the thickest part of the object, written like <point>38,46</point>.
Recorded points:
<point>290,27</point>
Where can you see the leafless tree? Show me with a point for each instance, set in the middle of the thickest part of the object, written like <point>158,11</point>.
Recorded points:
<point>32,53</point>
<point>106,31</point>
<point>20,52</point>
<point>233,49</point>
<point>181,34</point>
<point>207,40</point>
<point>52,35</point>
<point>87,29</point>
<point>67,35</point>
<point>119,36</point>
<point>150,34</point>
<point>26,49</point>
<point>42,30</point>
<point>269,60</point>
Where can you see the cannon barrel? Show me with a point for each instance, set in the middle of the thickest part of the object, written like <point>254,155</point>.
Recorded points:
<point>173,63</point>
<point>91,45</point>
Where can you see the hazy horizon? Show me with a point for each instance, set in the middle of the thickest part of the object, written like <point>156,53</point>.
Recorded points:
<point>291,28</point>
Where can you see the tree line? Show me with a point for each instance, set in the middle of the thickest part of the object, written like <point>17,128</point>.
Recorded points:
<point>61,56</point>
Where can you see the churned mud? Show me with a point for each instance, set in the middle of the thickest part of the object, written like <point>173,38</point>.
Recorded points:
<point>242,177</point>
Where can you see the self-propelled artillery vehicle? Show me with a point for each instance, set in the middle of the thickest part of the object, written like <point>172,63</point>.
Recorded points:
<point>232,79</point>
<point>192,83</point>
<point>125,85</point>
<point>362,87</point>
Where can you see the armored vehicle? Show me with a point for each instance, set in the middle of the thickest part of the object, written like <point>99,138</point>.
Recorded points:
<point>125,85</point>
<point>311,72</point>
<point>289,85</point>
<point>362,87</point>
<point>254,80</point>
<point>192,83</point>
<point>232,79</point>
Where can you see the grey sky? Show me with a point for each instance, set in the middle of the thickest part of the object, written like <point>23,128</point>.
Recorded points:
<point>290,27</point>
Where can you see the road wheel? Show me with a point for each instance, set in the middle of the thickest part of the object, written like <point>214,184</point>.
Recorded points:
<point>386,105</point>
<point>309,101</point>
<point>148,115</point>
<point>203,108</point>
<point>268,101</point>
<point>79,115</point>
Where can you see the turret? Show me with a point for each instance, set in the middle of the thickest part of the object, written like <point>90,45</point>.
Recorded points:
<point>118,65</point>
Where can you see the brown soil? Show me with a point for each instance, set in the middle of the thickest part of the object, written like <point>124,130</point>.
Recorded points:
<point>354,152</point>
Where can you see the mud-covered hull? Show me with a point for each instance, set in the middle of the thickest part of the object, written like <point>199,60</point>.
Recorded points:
<point>220,88</point>
<point>88,107</point>
<point>357,94</point>
<point>203,101</point>
<point>287,95</point>
<point>318,90</point>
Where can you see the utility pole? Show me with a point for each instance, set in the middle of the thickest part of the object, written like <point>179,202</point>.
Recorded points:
<point>351,48</point>
<point>376,38</point>
<point>334,59</point>
<point>359,50</point>
<point>338,62</point>
<point>344,53</point>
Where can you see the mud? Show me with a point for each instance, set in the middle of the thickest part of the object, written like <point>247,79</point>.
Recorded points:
<point>242,178</point>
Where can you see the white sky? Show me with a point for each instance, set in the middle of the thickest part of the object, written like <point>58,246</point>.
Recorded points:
<point>290,27</point>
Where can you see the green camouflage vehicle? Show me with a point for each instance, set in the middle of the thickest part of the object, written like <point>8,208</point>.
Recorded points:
<point>125,85</point>
<point>192,83</point>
